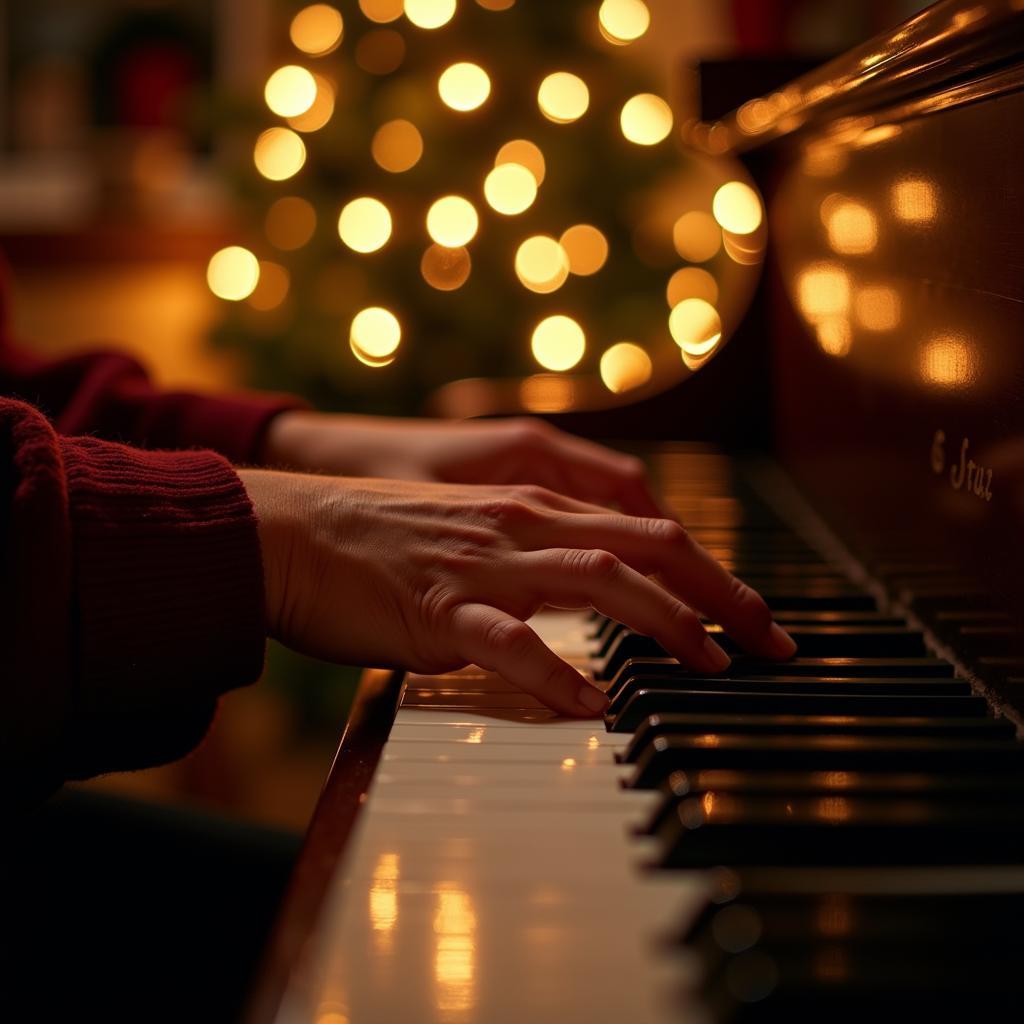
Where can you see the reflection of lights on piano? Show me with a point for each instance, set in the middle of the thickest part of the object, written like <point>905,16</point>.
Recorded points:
<point>646,119</point>
<point>364,224</point>
<point>835,916</point>
<point>831,964</point>
<point>510,189</point>
<point>833,808</point>
<point>331,1012</point>
<point>279,153</point>
<point>948,361</point>
<point>755,116</point>
<point>475,736</point>
<point>384,900</point>
<point>290,91</point>
<point>823,290</point>
<point>558,342</point>
<point>873,136</point>
<point>824,159</point>
<point>455,949</point>
<point>695,326</point>
<point>696,236</point>
<point>375,335</point>
<point>526,154</point>
<point>233,273</point>
<point>839,780</point>
<point>397,146</point>
<point>316,29</point>
<point>691,283</point>
<point>876,308</point>
<point>452,221</point>
<point>541,264</point>
<point>625,366</point>
<point>429,14</point>
<point>852,228</point>
<point>563,97</point>
<point>547,392</point>
<point>272,287</point>
<point>586,249</point>
<point>737,207</point>
<point>445,269</point>
<point>707,803</point>
<point>464,86</point>
<point>914,200</point>
<point>623,21</point>
<point>708,739</point>
<point>746,250</point>
<point>834,336</point>
<point>320,111</point>
<point>593,743</point>
<point>568,763</point>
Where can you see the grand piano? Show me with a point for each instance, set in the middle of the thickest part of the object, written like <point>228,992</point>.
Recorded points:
<point>837,836</point>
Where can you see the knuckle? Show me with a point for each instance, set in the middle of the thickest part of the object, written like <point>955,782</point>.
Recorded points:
<point>533,494</point>
<point>633,468</point>
<point>507,636</point>
<point>593,564</point>
<point>506,512</point>
<point>530,432</point>
<point>666,531</point>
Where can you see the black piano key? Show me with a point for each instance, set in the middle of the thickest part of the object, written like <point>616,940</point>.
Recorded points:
<point>866,641</point>
<point>810,725</point>
<point>820,753</point>
<point>668,672</point>
<point>725,830</point>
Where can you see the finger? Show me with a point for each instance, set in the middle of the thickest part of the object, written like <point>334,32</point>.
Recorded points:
<point>663,547</point>
<point>545,494</point>
<point>573,578</point>
<point>593,471</point>
<point>501,643</point>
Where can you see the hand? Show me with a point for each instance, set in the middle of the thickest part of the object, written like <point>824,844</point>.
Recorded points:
<point>430,577</point>
<point>513,451</point>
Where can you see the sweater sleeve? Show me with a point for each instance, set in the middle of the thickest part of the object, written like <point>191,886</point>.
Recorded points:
<point>131,597</point>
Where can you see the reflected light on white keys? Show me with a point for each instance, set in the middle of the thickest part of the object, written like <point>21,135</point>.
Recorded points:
<point>384,900</point>
<point>454,950</point>
<point>948,361</point>
<point>568,763</point>
<point>914,201</point>
<point>852,228</point>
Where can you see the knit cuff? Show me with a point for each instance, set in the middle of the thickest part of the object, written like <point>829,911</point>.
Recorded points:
<point>168,599</point>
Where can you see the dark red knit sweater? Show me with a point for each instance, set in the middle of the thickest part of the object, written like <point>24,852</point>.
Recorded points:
<point>131,586</point>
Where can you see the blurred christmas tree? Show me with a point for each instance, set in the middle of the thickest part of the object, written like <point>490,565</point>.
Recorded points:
<point>454,188</point>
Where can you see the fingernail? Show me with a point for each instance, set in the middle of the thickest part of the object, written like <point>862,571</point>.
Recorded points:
<point>592,699</point>
<point>781,643</point>
<point>715,657</point>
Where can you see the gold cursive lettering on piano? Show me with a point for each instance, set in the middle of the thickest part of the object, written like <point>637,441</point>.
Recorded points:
<point>964,474</point>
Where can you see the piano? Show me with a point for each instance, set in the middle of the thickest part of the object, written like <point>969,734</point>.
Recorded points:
<point>834,837</point>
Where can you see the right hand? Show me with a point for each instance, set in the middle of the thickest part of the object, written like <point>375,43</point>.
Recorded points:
<point>430,577</point>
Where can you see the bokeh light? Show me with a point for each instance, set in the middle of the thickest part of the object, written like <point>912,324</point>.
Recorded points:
<point>397,146</point>
<point>290,223</point>
<point>290,91</point>
<point>320,111</point>
<point>279,154</point>
<point>375,333</point>
<point>382,11</point>
<point>365,224</point>
<point>586,247</point>
<point>558,342</point>
<point>625,366</point>
<point>495,5</point>
<point>737,207</point>
<point>510,189</point>
<point>915,200</point>
<point>272,288</point>
<point>464,86</point>
<point>646,119</point>
<point>852,228</point>
<point>317,29</point>
<point>526,154</point>
<point>623,21</point>
<point>691,283</point>
<point>541,264</point>
<point>429,13</point>
<point>697,236</point>
<point>233,273</point>
<point>446,269</point>
<point>380,52</point>
<point>695,326</point>
<point>563,97</point>
<point>452,221</point>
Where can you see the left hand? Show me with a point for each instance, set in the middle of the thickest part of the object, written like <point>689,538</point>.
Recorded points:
<point>511,451</point>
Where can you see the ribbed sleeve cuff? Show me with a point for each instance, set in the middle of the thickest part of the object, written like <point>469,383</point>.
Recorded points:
<point>168,598</point>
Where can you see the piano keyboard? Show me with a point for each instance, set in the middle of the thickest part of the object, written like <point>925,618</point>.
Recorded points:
<point>838,835</point>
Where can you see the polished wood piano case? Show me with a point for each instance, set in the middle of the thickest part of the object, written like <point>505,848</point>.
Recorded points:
<point>822,854</point>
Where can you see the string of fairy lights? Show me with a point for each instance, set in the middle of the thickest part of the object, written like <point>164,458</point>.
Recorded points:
<point>304,99</point>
